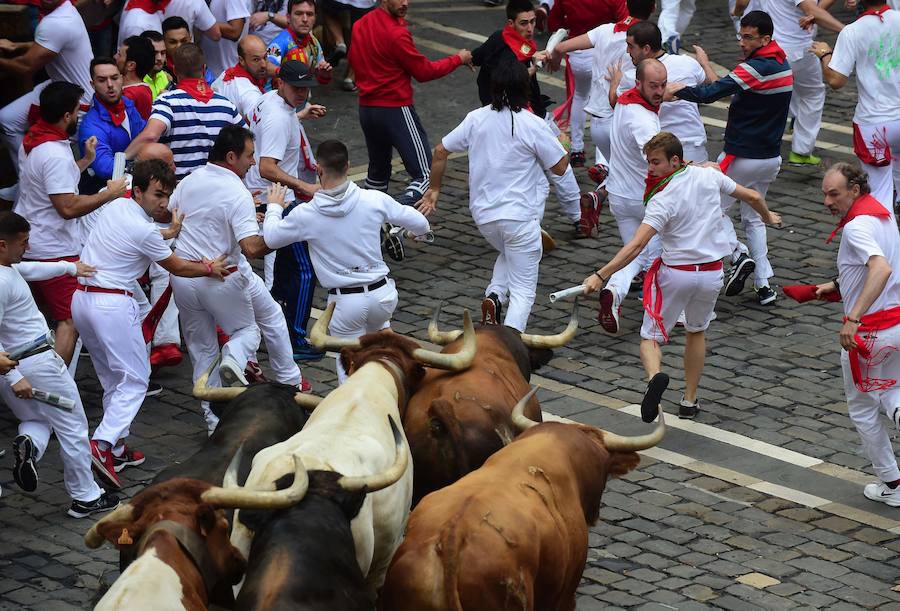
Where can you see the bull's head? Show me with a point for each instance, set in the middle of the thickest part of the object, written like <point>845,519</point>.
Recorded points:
<point>202,390</point>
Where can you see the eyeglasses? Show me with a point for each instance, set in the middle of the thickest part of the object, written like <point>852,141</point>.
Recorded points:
<point>749,37</point>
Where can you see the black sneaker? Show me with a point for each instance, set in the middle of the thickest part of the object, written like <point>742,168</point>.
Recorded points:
<point>688,411</point>
<point>104,502</point>
<point>153,389</point>
<point>491,310</point>
<point>740,271</point>
<point>391,244</point>
<point>765,295</point>
<point>24,471</point>
<point>339,53</point>
<point>576,159</point>
<point>650,403</point>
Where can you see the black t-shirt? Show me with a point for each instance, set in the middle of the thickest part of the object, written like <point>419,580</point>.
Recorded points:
<point>491,54</point>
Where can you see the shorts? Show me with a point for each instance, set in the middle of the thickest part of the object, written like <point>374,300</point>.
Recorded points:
<point>691,292</point>
<point>54,296</point>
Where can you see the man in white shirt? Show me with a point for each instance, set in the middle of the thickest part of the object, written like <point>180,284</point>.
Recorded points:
<point>342,225</point>
<point>139,16</point>
<point>20,324</point>
<point>508,152</point>
<point>231,16</point>
<point>244,83</point>
<point>61,46</point>
<point>864,46</point>
<point>121,246</point>
<point>635,122</point>
<point>49,201</point>
<point>684,209</point>
<point>868,259</point>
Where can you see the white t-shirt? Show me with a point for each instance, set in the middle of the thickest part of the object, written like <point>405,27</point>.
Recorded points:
<point>219,213</point>
<point>609,48</point>
<point>62,31</point>
<point>277,132</point>
<point>508,153</point>
<point>687,215</point>
<point>195,12</point>
<point>135,21</point>
<point>632,126</point>
<point>241,92</point>
<point>788,34</point>
<point>124,242</point>
<point>862,238</point>
<point>867,44</point>
<point>49,169</point>
<point>222,54</point>
<point>679,117</point>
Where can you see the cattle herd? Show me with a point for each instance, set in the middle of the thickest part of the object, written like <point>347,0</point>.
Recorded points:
<point>426,481</point>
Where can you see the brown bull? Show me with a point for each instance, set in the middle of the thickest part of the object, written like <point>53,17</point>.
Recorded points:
<point>514,533</point>
<point>457,419</point>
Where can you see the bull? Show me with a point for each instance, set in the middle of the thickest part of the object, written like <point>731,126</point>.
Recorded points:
<point>348,433</point>
<point>514,533</point>
<point>456,419</point>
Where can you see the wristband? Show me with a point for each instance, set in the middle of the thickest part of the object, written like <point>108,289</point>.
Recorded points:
<point>209,269</point>
<point>824,55</point>
<point>602,279</point>
<point>854,321</point>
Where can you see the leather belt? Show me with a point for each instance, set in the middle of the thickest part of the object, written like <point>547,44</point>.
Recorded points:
<point>358,289</point>
<point>698,267</point>
<point>100,289</point>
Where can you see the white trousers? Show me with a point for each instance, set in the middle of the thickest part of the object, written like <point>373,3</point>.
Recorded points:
<point>581,62</point>
<point>110,326</point>
<point>167,330</point>
<point>883,181</point>
<point>674,17</point>
<point>273,328</point>
<point>516,269</point>
<point>14,119</point>
<point>755,174</point>
<point>600,136</point>
<point>695,152</point>
<point>865,408</point>
<point>568,194</point>
<point>807,100</point>
<point>357,314</point>
<point>691,292</point>
<point>629,213</point>
<point>48,372</point>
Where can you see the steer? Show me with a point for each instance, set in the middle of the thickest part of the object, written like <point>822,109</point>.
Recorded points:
<point>514,533</point>
<point>455,420</point>
<point>348,433</point>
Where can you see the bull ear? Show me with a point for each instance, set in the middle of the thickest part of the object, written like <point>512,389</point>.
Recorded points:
<point>206,519</point>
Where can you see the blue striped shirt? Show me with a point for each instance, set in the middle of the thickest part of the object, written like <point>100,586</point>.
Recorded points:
<point>192,126</point>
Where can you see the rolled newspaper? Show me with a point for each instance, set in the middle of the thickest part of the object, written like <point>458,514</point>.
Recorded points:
<point>557,37</point>
<point>574,291</point>
<point>41,344</point>
<point>118,166</point>
<point>53,399</point>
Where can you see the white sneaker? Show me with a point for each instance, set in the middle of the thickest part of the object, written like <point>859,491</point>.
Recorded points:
<point>231,373</point>
<point>879,491</point>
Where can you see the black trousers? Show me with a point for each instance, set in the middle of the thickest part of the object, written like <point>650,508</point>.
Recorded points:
<point>389,128</point>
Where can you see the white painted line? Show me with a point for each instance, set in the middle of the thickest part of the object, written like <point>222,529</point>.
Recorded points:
<point>790,494</point>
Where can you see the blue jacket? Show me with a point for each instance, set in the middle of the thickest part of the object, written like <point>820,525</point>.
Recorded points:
<point>761,87</point>
<point>110,138</point>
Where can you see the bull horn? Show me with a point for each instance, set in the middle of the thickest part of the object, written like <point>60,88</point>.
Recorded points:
<point>93,539</point>
<point>456,361</point>
<point>618,443</point>
<point>554,341</point>
<point>518,417</point>
<point>384,479</point>
<point>441,338</point>
<point>244,498</point>
<point>319,337</point>
<point>307,400</point>
<point>205,392</point>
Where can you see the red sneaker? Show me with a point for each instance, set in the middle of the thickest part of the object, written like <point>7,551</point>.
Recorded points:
<point>102,464</point>
<point>609,312</point>
<point>254,373</point>
<point>223,337</point>
<point>129,458</point>
<point>591,205</point>
<point>304,386</point>
<point>598,173</point>
<point>166,355</point>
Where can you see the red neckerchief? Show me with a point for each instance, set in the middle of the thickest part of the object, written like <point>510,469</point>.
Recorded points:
<point>865,205</point>
<point>300,42</point>
<point>633,96</point>
<point>518,44</point>
<point>116,111</point>
<point>654,185</point>
<point>148,6</point>
<point>878,12</point>
<point>625,24</point>
<point>238,71</point>
<point>771,50</point>
<point>42,132</point>
<point>197,88</point>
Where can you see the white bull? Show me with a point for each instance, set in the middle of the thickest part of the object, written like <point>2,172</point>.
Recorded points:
<point>349,433</point>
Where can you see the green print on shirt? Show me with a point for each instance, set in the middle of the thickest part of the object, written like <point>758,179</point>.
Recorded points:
<point>886,53</point>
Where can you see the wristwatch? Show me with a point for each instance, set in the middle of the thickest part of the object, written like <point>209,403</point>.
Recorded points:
<point>271,16</point>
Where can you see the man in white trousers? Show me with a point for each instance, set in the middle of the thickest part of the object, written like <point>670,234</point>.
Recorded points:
<point>342,225</point>
<point>509,149</point>
<point>867,261</point>
<point>684,209</point>
<point>635,122</point>
<point>20,324</point>
<point>862,47</point>
<point>122,245</point>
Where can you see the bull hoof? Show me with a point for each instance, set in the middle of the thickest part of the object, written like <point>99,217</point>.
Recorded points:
<point>650,403</point>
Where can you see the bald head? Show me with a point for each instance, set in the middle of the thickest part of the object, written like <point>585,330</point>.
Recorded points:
<point>650,79</point>
<point>155,150</point>
<point>252,55</point>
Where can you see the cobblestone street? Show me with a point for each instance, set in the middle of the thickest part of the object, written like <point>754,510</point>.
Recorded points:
<point>756,504</point>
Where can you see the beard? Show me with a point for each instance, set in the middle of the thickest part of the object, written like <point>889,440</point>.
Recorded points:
<point>72,127</point>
